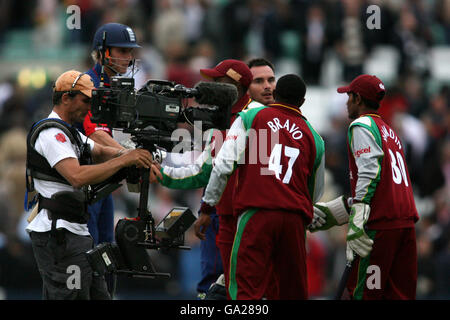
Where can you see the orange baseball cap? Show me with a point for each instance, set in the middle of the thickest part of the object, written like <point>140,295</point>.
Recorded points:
<point>74,81</point>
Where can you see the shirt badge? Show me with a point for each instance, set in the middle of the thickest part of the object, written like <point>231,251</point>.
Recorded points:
<point>60,137</point>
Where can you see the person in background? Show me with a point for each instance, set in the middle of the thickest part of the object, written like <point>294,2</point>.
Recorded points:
<point>120,43</point>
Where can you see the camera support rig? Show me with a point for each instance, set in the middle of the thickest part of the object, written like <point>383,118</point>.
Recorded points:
<point>135,235</point>
<point>145,140</point>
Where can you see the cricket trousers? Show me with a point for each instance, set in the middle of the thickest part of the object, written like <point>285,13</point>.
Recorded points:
<point>268,242</point>
<point>210,258</point>
<point>224,241</point>
<point>64,268</point>
<point>389,271</point>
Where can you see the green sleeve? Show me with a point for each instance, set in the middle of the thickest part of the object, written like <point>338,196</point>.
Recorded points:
<point>197,180</point>
<point>191,176</point>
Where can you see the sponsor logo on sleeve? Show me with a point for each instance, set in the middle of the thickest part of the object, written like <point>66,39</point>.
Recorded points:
<point>231,137</point>
<point>60,137</point>
<point>359,152</point>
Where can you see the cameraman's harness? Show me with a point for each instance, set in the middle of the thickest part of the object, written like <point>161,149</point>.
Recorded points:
<point>70,206</point>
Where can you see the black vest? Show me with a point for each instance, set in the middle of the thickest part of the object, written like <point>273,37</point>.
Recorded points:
<point>37,166</point>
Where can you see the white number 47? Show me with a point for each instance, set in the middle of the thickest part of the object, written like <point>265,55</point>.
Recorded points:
<point>275,161</point>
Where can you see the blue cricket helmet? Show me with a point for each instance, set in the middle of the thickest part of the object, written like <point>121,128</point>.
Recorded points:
<point>117,35</point>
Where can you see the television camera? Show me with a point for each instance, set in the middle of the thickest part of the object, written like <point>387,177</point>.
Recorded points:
<point>151,114</point>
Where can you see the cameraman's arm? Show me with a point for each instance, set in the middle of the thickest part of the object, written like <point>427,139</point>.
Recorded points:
<point>79,176</point>
<point>105,139</point>
<point>102,153</point>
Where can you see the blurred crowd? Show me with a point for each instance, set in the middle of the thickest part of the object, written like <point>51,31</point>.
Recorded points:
<point>181,36</point>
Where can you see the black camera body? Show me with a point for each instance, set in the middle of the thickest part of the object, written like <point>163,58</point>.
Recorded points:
<point>120,106</point>
<point>157,107</point>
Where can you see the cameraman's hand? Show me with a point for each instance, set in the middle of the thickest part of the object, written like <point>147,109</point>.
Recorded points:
<point>155,173</point>
<point>141,158</point>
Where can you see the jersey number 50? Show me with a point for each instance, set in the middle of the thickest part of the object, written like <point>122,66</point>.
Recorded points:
<point>275,161</point>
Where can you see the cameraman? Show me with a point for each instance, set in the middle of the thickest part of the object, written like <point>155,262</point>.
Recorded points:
<point>59,232</point>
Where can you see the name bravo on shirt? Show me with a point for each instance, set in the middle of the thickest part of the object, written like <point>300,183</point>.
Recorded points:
<point>276,125</point>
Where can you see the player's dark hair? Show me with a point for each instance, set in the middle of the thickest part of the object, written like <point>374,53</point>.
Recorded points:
<point>368,103</point>
<point>259,62</point>
<point>290,89</point>
<point>96,56</point>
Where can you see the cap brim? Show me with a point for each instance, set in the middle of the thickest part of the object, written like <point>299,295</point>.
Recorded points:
<point>124,45</point>
<point>344,89</point>
<point>87,92</point>
<point>210,73</point>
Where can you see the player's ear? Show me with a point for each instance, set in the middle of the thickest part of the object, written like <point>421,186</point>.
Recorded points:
<point>358,99</point>
<point>66,97</point>
<point>302,101</point>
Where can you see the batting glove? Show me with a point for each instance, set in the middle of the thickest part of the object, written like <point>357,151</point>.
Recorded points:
<point>329,214</point>
<point>357,239</point>
<point>159,154</point>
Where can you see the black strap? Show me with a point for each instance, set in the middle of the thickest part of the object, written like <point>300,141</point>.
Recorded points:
<point>63,210</point>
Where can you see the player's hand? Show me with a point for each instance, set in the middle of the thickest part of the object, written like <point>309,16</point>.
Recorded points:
<point>329,214</point>
<point>200,225</point>
<point>141,158</point>
<point>357,239</point>
<point>155,173</point>
<point>319,220</point>
<point>203,221</point>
